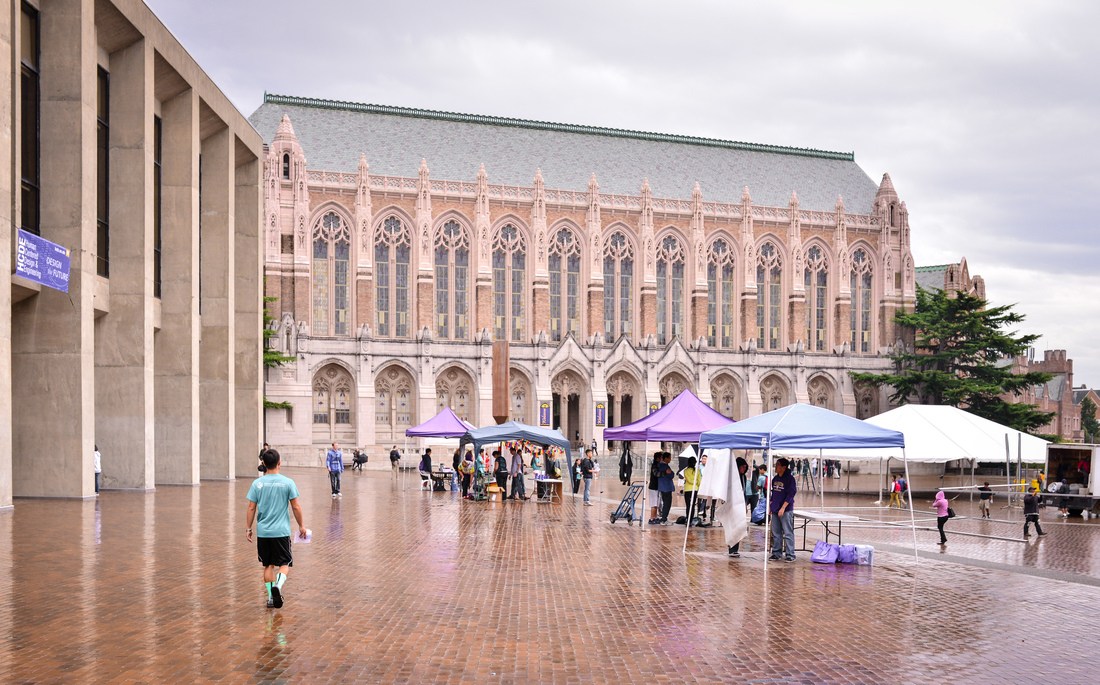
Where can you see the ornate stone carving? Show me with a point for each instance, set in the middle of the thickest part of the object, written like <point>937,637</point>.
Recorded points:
<point>567,383</point>
<point>773,393</point>
<point>820,393</point>
<point>725,394</point>
<point>672,385</point>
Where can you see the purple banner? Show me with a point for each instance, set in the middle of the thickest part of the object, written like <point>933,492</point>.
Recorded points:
<point>544,413</point>
<point>601,414</point>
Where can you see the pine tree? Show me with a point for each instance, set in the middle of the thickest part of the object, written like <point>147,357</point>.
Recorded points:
<point>961,356</point>
<point>1089,423</point>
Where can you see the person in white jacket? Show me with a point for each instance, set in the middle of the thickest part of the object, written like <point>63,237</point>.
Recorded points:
<point>96,466</point>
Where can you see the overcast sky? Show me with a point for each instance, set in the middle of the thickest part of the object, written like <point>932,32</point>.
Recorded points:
<point>986,114</point>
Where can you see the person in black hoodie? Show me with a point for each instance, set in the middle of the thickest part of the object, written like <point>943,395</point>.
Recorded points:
<point>501,473</point>
<point>1031,511</point>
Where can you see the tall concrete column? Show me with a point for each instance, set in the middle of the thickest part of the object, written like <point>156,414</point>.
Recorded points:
<point>177,343</point>
<point>124,337</point>
<point>216,273</point>
<point>7,235</point>
<point>53,375</point>
<point>248,367</point>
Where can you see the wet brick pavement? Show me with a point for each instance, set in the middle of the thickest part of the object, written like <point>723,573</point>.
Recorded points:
<point>406,586</point>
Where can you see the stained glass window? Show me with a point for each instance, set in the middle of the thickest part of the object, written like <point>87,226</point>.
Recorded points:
<point>331,256</point>
<point>452,261</point>
<point>670,290</point>
<point>769,294</point>
<point>720,290</point>
<point>860,283</point>
<point>391,279</point>
<point>618,286</point>
<point>816,279</point>
<point>564,264</point>
<point>509,263</point>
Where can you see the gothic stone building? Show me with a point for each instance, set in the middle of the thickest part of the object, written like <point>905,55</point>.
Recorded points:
<point>622,267</point>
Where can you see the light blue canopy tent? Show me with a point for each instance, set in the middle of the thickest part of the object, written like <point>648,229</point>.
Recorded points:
<point>801,426</point>
<point>514,430</point>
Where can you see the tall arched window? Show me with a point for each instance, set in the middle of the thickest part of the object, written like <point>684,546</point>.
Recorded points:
<point>618,286</point>
<point>670,290</point>
<point>452,275</point>
<point>769,297</point>
<point>509,261</point>
<point>861,301</point>
<point>286,166</point>
<point>565,281</point>
<point>331,252</point>
<point>720,297</point>
<point>391,278</point>
<point>817,303</point>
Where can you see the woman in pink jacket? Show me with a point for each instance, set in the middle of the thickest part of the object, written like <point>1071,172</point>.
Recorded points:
<point>941,506</point>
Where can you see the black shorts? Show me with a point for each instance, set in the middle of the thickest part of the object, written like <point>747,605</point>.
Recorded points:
<point>274,551</point>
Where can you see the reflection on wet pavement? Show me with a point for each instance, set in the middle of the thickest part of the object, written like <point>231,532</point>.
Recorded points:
<point>408,586</point>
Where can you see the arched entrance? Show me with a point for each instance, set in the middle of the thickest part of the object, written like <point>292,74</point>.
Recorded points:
<point>394,408</point>
<point>568,393</point>
<point>455,389</point>
<point>774,393</point>
<point>333,406</point>
<point>622,393</point>
<point>672,385</point>
<point>822,393</point>
<point>519,394</point>
<point>725,394</point>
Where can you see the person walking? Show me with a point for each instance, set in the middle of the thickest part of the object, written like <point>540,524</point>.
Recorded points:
<point>260,458</point>
<point>576,473</point>
<point>1031,511</point>
<point>895,492</point>
<point>519,488</point>
<point>666,485</point>
<point>466,468</point>
<point>782,510</point>
<point>943,510</point>
<point>269,497</point>
<point>395,462</point>
<point>588,467</point>
<point>985,498</point>
<point>334,462</point>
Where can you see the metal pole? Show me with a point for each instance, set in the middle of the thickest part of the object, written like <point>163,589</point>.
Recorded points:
<point>645,474</point>
<point>821,476</point>
<point>912,516</point>
<point>1008,469</point>
<point>767,505</point>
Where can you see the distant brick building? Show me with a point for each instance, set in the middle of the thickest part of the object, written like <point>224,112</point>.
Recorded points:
<point>1056,395</point>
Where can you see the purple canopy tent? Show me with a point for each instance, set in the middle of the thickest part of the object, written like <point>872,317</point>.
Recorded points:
<point>445,424</point>
<point>681,420</point>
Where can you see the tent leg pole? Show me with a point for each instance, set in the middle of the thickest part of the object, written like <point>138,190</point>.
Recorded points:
<point>912,515</point>
<point>821,477</point>
<point>645,474</point>
<point>767,512</point>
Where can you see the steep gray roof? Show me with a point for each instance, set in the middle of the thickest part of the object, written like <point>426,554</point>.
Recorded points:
<point>931,277</point>
<point>333,134</point>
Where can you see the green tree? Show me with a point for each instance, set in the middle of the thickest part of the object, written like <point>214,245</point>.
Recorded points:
<point>272,357</point>
<point>960,356</point>
<point>1088,420</point>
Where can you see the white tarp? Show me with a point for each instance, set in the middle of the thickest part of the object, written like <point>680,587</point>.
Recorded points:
<point>938,433</point>
<point>721,481</point>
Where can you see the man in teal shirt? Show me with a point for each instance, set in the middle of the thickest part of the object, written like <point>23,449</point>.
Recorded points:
<point>270,496</point>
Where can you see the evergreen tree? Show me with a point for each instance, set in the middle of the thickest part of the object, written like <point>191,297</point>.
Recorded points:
<point>272,357</point>
<point>961,356</point>
<point>1088,420</point>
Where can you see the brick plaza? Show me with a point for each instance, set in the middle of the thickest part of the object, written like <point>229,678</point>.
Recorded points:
<point>408,586</point>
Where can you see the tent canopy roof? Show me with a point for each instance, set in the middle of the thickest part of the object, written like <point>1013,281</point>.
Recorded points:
<point>445,424</point>
<point>681,420</point>
<point>514,430</point>
<point>801,426</point>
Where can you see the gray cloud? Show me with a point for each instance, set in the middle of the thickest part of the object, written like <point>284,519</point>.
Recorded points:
<point>985,113</point>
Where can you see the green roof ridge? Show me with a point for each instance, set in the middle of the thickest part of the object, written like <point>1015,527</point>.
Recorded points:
<point>552,126</point>
<point>931,267</point>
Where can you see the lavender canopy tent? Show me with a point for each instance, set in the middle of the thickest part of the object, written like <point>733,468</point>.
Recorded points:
<point>681,420</point>
<point>445,424</point>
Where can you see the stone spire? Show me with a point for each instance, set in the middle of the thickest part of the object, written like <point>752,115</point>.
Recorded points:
<point>285,131</point>
<point>748,241</point>
<point>794,242</point>
<point>364,210</point>
<point>594,225</point>
<point>698,236</point>
<point>538,222</point>
<point>424,215</point>
<point>481,220</point>
<point>646,226</point>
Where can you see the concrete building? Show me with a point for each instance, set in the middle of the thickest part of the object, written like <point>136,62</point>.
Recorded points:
<point>117,146</point>
<point>621,266</point>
